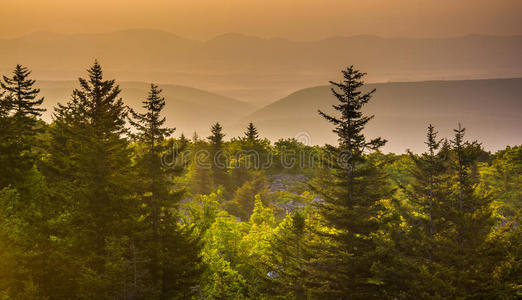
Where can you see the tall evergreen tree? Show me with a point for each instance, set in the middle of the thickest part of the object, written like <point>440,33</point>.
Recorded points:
<point>25,103</point>
<point>452,244</point>
<point>173,253</point>
<point>352,200</point>
<point>428,167</point>
<point>89,172</point>
<point>19,113</point>
<point>251,133</point>
<point>471,216</point>
<point>433,144</point>
<point>426,206</point>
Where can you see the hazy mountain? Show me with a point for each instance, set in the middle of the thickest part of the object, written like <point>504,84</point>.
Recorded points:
<point>255,69</point>
<point>186,108</point>
<point>490,109</point>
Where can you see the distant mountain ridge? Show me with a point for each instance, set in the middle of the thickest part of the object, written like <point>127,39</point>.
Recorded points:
<point>257,69</point>
<point>491,109</point>
<point>187,109</point>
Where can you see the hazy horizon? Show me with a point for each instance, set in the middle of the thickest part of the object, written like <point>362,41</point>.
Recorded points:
<point>259,70</point>
<point>208,54</point>
<point>248,35</point>
<point>310,20</point>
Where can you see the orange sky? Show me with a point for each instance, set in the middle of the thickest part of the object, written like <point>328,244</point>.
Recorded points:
<point>302,20</point>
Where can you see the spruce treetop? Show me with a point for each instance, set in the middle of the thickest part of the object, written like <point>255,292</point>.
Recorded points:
<point>149,124</point>
<point>431,141</point>
<point>22,94</point>
<point>350,124</point>
<point>251,133</point>
<point>216,139</point>
<point>96,103</point>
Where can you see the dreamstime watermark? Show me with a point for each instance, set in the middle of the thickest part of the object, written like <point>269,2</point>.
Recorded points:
<point>301,154</point>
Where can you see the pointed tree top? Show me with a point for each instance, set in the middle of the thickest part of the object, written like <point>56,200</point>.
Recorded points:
<point>217,136</point>
<point>251,133</point>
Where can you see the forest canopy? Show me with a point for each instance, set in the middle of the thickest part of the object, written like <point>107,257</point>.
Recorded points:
<point>107,202</point>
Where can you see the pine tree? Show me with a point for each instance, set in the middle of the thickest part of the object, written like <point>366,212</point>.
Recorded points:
<point>433,144</point>
<point>24,97</point>
<point>218,159</point>
<point>427,169</point>
<point>426,205</point>
<point>216,138</point>
<point>471,216</point>
<point>162,232</point>
<point>89,173</point>
<point>19,113</point>
<point>352,200</point>
<point>251,134</point>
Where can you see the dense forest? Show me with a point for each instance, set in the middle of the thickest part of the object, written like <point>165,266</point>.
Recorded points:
<point>105,203</point>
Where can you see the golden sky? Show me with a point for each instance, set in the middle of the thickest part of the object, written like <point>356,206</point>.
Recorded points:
<point>300,20</point>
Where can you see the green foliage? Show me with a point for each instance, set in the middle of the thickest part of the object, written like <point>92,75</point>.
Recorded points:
<point>18,125</point>
<point>23,98</point>
<point>353,195</point>
<point>243,202</point>
<point>289,254</point>
<point>90,209</point>
<point>502,178</point>
<point>172,272</point>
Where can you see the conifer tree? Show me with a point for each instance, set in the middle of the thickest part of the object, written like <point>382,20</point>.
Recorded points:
<point>427,204</point>
<point>89,173</point>
<point>433,144</point>
<point>427,169</point>
<point>471,216</point>
<point>352,200</point>
<point>216,137</point>
<point>24,97</point>
<point>172,251</point>
<point>251,133</point>
<point>19,113</point>
<point>218,159</point>
<point>454,251</point>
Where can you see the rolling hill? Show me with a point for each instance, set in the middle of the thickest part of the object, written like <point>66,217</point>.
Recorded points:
<point>491,110</point>
<point>186,108</point>
<point>260,70</point>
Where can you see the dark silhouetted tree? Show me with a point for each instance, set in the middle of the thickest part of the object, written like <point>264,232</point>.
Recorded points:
<point>353,197</point>
<point>89,171</point>
<point>173,252</point>
<point>218,157</point>
<point>251,134</point>
<point>19,112</point>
